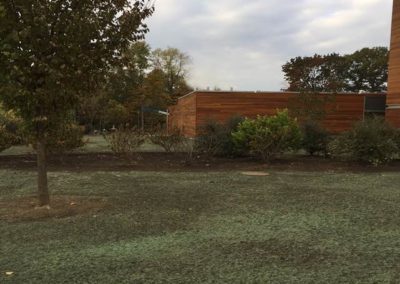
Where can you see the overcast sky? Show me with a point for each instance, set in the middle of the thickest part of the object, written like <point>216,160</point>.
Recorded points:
<point>243,43</point>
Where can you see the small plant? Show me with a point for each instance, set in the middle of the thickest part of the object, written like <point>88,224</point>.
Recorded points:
<point>10,129</point>
<point>373,141</point>
<point>315,138</point>
<point>216,138</point>
<point>174,141</point>
<point>125,141</point>
<point>66,138</point>
<point>6,138</point>
<point>268,137</point>
<point>187,146</point>
<point>170,142</point>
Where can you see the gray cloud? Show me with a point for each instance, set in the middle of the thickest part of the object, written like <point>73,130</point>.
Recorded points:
<point>244,43</point>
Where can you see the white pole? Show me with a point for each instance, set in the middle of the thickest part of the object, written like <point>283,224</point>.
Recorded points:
<point>167,122</point>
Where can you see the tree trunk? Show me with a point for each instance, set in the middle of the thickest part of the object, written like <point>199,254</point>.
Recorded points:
<point>43,191</point>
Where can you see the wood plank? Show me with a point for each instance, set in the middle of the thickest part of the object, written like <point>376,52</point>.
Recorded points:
<point>193,111</point>
<point>342,113</point>
<point>183,116</point>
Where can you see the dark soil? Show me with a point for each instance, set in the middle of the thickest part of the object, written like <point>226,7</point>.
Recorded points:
<point>158,161</point>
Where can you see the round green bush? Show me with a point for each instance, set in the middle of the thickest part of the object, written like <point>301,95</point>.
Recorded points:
<point>373,141</point>
<point>268,136</point>
<point>315,138</point>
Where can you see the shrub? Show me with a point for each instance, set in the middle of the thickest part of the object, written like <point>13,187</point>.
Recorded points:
<point>115,114</point>
<point>373,141</point>
<point>6,138</point>
<point>315,138</point>
<point>125,140</point>
<point>175,141</point>
<point>10,129</point>
<point>268,136</point>
<point>187,146</point>
<point>168,141</point>
<point>216,138</point>
<point>67,137</point>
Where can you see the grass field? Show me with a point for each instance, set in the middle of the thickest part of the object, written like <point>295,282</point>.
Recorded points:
<point>93,143</point>
<point>288,227</point>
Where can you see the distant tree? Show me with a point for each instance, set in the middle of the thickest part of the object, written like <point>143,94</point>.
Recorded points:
<point>153,90</point>
<point>51,51</point>
<point>115,114</point>
<point>182,88</point>
<point>154,95</point>
<point>126,79</point>
<point>142,80</point>
<point>123,86</point>
<point>367,70</point>
<point>311,106</point>
<point>10,129</point>
<point>364,70</point>
<point>315,74</point>
<point>174,64</point>
<point>92,108</point>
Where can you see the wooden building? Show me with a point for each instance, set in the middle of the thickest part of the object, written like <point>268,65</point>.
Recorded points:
<point>393,97</point>
<point>195,109</point>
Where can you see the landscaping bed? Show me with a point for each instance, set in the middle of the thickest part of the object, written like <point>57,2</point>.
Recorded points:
<point>161,161</point>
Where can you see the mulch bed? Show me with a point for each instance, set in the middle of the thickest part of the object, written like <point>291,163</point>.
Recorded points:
<point>171,162</point>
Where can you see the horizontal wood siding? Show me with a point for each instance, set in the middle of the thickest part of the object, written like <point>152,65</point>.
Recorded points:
<point>195,110</point>
<point>183,116</point>
<point>223,106</point>
<point>341,113</point>
<point>393,117</point>
<point>393,99</point>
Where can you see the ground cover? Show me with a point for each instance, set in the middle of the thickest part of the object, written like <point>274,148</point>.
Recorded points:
<point>201,227</point>
<point>93,144</point>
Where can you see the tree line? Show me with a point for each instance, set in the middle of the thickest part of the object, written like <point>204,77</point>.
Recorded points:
<point>365,70</point>
<point>146,78</point>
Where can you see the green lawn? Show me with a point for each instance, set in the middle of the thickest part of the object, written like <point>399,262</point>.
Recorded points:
<point>289,227</point>
<point>93,143</point>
